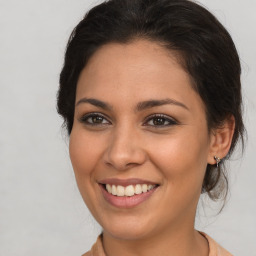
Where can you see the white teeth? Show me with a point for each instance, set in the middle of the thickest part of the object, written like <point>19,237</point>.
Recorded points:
<point>114,192</point>
<point>120,190</point>
<point>129,190</point>
<point>109,188</point>
<point>144,188</point>
<point>138,189</point>
<point>150,187</point>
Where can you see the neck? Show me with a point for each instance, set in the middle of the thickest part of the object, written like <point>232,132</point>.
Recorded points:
<point>176,241</point>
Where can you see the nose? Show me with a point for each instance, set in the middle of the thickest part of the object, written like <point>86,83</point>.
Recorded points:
<point>124,150</point>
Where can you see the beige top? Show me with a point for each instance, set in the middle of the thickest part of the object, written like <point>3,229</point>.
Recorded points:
<point>215,249</point>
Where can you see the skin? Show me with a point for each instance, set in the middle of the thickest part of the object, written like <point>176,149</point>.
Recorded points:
<point>127,143</point>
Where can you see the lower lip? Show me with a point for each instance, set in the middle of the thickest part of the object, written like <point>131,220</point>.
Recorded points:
<point>126,201</point>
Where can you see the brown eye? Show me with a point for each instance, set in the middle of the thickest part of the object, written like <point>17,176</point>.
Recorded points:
<point>94,119</point>
<point>97,119</point>
<point>159,121</point>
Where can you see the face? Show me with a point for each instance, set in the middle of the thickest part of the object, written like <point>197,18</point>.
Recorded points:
<point>138,121</point>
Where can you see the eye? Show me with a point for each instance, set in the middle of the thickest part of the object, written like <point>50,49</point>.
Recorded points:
<point>94,119</point>
<point>160,120</point>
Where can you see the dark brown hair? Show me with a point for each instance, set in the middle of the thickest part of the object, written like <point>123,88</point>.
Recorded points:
<point>205,48</point>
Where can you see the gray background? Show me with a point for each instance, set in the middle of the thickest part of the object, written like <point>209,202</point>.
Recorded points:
<point>41,212</point>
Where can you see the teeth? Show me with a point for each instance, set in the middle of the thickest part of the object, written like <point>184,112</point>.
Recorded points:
<point>144,188</point>
<point>138,189</point>
<point>120,190</point>
<point>150,187</point>
<point>109,188</point>
<point>129,190</point>
<point>113,190</point>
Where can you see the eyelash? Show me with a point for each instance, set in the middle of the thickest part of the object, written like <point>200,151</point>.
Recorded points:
<point>170,121</point>
<point>84,119</point>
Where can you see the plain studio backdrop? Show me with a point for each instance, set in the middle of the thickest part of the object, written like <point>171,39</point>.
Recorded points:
<point>41,211</point>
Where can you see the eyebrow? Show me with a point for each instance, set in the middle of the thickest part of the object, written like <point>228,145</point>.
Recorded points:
<point>140,106</point>
<point>155,103</point>
<point>95,102</point>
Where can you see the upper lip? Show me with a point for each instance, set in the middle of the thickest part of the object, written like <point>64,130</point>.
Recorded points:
<point>126,182</point>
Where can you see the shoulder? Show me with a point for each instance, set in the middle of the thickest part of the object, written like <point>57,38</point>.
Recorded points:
<point>97,248</point>
<point>89,253</point>
<point>214,248</point>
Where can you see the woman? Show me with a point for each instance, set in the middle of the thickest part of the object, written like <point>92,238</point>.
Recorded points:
<point>151,97</point>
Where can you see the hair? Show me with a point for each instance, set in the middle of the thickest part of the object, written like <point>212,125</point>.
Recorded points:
<point>205,49</point>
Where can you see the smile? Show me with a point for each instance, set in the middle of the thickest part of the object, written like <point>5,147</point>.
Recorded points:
<point>129,190</point>
<point>127,193</point>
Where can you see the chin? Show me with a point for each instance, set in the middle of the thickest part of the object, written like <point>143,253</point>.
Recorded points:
<point>128,229</point>
<point>130,233</point>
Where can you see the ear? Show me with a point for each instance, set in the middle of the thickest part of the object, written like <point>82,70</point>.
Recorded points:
<point>220,140</point>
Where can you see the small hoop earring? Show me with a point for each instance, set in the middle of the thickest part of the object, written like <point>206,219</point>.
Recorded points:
<point>217,159</point>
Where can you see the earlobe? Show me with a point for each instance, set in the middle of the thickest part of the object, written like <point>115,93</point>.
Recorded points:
<point>221,139</point>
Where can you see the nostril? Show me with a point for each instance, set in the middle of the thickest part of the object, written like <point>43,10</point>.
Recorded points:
<point>122,155</point>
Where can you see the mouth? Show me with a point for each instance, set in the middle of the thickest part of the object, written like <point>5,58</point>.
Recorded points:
<point>127,193</point>
<point>130,190</point>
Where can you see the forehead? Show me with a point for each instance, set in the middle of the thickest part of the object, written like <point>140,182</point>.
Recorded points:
<point>139,70</point>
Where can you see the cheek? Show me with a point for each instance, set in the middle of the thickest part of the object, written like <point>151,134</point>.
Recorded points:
<point>182,161</point>
<point>182,157</point>
<point>84,155</point>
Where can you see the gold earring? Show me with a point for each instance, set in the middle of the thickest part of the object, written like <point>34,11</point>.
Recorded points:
<point>217,159</point>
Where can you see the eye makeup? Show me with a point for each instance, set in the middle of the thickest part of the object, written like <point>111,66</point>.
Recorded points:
<point>154,120</point>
